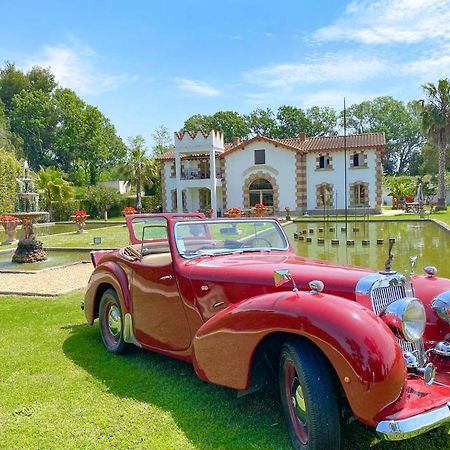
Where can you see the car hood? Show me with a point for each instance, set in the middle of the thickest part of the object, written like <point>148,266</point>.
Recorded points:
<point>256,270</point>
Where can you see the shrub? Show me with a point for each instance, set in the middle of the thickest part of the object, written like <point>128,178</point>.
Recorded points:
<point>100,200</point>
<point>61,211</point>
<point>10,169</point>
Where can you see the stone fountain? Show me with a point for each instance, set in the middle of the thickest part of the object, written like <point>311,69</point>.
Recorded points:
<point>29,249</point>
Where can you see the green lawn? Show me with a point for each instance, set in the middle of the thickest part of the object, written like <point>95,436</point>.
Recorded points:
<point>112,237</point>
<point>60,389</point>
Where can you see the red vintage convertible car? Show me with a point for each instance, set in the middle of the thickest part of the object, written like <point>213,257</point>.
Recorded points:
<point>231,296</point>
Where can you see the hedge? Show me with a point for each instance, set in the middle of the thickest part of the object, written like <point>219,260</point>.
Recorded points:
<point>61,211</point>
<point>10,169</point>
<point>149,204</point>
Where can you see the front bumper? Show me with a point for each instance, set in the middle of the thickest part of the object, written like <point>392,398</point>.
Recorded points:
<point>395,430</point>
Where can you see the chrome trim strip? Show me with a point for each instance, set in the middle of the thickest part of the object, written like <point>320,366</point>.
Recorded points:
<point>396,430</point>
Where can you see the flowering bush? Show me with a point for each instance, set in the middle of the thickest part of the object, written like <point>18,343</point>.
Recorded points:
<point>129,210</point>
<point>259,206</point>
<point>9,219</point>
<point>233,212</point>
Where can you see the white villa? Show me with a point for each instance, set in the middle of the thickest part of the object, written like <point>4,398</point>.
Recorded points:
<point>305,174</point>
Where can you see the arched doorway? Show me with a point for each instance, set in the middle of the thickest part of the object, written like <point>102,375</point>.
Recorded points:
<point>260,191</point>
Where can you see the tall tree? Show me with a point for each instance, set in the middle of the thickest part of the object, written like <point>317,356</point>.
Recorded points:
<point>138,168</point>
<point>262,122</point>
<point>291,122</point>
<point>198,122</point>
<point>231,123</point>
<point>100,146</point>
<point>399,122</point>
<point>322,121</point>
<point>34,119</point>
<point>69,135</point>
<point>12,82</point>
<point>8,140</point>
<point>162,140</point>
<point>435,115</point>
<point>42,79</point>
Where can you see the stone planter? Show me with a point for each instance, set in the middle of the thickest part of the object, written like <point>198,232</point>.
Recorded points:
<point>80,221</point>
<point>10,227</point>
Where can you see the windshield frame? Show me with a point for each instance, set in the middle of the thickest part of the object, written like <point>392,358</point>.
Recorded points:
<point>219,251</point>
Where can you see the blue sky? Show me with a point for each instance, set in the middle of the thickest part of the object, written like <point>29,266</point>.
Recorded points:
<point>148,63</point>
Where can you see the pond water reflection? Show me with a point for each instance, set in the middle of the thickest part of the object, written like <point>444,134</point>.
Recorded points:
<point>426,240</point>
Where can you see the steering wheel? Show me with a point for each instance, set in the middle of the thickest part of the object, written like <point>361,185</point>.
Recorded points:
<point>253,242</point>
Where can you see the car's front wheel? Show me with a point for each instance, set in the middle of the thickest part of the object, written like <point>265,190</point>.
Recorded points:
<point>111,322</point>
<point>308,397</point>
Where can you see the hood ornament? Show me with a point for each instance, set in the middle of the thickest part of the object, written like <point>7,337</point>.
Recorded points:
<point>387,266</point>
<point>412,263</point>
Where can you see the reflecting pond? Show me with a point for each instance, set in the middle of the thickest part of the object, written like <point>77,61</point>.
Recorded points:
<point>426,240</point>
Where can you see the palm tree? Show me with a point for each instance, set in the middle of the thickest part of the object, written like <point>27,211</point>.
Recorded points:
<point>435,115</point>
<point>138,169</point>
<point>53,187</point>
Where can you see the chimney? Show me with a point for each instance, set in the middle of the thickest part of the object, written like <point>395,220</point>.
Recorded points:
<point>302,137</point>
<point>236,141</point>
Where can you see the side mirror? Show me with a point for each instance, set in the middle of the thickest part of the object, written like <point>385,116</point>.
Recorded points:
<point>281,276</point>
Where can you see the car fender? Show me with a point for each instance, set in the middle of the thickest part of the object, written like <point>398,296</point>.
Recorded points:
<point>107,273</point>
<point>363,351</point>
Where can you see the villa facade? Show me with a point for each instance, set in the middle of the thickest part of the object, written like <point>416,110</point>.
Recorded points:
<point>305,174</point>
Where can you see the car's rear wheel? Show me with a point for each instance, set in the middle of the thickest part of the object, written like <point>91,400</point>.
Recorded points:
<point>308,397</point>
<point>111,322</point>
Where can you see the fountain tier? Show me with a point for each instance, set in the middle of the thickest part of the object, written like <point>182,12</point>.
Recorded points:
<point>29,249</point>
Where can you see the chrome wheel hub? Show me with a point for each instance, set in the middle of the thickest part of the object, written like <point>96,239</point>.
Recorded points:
<point>114,321</point>
<point>298,402</point>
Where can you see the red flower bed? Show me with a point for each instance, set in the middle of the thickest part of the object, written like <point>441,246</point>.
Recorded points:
<point>9,219</point>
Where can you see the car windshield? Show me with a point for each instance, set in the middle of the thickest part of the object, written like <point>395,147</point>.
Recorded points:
<point>218,237</point>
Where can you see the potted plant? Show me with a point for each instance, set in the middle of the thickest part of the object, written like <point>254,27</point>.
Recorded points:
<point>233,212</point>
<point>10,224</point>
<point>129,210</point>
<point>79,217</point>
<point>260,210</point>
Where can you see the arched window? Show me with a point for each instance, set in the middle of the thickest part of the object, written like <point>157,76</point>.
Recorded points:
<point>359,194</point>
<point>261,191</point>
<point>324,195</point>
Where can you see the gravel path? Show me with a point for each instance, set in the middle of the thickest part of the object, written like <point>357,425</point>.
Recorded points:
<point>49,282</point>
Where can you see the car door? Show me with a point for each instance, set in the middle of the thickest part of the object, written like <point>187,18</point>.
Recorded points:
<point>159,319</point>
<point>158,312</point>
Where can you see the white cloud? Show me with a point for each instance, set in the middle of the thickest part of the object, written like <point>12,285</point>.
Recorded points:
<point>196,87</point>
<point>331,67</point>
<point>75,67</point>
<point>390,21</point>
<point>428,68</point>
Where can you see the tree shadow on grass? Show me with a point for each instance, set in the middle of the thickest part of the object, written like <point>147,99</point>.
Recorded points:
<point>209,416</point>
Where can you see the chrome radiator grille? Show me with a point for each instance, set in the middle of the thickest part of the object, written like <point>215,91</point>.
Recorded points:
<point>416,348</point>
<point>384,296</point>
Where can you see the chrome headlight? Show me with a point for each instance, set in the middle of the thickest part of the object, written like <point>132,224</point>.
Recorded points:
<point>441,305</point>
<point>407,316</point>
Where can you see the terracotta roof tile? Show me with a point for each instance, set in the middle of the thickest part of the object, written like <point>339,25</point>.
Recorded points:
<point>329,143</point>
<point>311,144</point>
